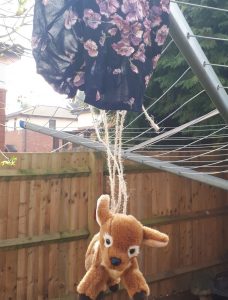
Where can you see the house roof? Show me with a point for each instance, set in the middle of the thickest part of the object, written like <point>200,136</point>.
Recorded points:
<point>10,53</point>
<point>44,111</point>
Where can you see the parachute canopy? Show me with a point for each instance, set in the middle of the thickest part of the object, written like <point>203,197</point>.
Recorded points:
<point>106,48</point>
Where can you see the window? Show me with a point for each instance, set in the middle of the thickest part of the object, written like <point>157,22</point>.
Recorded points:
<point>15,124</point>
<point>52,124</point>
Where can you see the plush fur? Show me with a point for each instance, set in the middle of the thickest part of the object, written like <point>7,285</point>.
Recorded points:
<point>111,255</point>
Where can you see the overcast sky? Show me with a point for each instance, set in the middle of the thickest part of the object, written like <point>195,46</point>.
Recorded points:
<point>20,77</point>
<point>21,80</point>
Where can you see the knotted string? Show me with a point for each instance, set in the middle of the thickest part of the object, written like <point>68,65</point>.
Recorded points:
<point>118,186</point>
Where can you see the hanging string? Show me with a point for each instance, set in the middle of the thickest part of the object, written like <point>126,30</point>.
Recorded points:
<point>116,139</point>
<point>122,198</point>
<point>150,119</point>
<point>118,187</point>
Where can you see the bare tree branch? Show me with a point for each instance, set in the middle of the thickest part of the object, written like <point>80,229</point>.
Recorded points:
<point>16,27</point>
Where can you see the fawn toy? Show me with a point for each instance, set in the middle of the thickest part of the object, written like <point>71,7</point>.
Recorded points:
<point>111,255</point>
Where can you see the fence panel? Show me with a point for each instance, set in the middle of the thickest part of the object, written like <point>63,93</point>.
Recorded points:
<point>47,215</point>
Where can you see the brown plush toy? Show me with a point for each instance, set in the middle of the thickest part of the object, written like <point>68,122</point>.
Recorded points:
<point>111,255</point>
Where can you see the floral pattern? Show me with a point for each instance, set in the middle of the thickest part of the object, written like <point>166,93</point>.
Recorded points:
<point>91,18</point>
<point>106,48</point>
<point>91,47</point>
<point>70,19</point>
<point>79,79</point>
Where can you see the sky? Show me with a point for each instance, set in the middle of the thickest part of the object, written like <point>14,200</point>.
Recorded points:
<point>21,79</point>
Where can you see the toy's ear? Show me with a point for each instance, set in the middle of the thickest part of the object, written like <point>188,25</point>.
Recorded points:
<point>154,238</point>
<point>103,213</point>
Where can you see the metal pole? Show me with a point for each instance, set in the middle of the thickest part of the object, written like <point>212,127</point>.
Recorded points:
<point>197,60</point>
<point>152,162</point>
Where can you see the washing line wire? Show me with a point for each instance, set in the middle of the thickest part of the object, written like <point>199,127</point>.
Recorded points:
<point>200,5</point>
<point>174,131</point>
<point>213,163</point>
<point>167,46</point>
<point>185,103</point>
<point>207,163</point>
<point>216,65</point>
<point>183,156</point>
<point>207,37</point>
<point>61,147</point>
<point>200,172</point>
<point>171,114</point>
<point>194,142</point>
<point>202,154</point>
<point>192,128</point>
<point>186,138</point>
<point>182,75</point>
<point>196,148</point>
<point>192,157</point>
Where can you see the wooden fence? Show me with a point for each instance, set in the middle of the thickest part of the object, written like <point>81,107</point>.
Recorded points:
<point>47,215</point>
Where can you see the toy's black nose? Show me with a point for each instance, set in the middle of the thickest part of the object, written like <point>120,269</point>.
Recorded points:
<point>115,261</point>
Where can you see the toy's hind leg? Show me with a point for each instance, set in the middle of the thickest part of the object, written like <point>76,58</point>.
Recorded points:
<point>93,283</point>
<point>135,283</point>
<point>113,285</point>
<point>84,297</point>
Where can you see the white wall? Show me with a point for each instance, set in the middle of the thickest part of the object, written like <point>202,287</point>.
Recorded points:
<point>83,121</point>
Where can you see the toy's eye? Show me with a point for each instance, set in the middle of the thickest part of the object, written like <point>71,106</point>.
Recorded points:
<point>108,240</point>
<point>133,251</point>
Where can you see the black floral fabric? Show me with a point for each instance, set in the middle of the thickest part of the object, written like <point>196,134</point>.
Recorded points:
<point>106,48</point>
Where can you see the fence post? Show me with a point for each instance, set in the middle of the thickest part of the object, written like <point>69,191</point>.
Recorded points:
<point>96,188</point>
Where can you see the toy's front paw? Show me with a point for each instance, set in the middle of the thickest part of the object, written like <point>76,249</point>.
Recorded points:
<point>140,296</point>
<point>114,288</point>
<point>83,297</point>
<point>100,296</point>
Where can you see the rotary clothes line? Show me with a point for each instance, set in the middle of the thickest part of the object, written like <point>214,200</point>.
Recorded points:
<point>108,49</point>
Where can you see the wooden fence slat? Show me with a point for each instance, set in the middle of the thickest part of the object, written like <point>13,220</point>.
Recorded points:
<point>96,188</point>
<point>186,244</point>
<point>33,229</point>
<point>148,255</point>
<point>55,198</point>
<point>4,188</point>
<point>63,288</point>
<point>74,225</point>
<point>54,226</point>
<point>44,228</point>
<point>12,232</point>
<point>22,232</point>
<point>22,258</point>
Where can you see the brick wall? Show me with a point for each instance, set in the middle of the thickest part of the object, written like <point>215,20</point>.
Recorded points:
<point>29,141</point>
<point>14,138</point>
<point>37,142</point>
<point>2,118</point>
